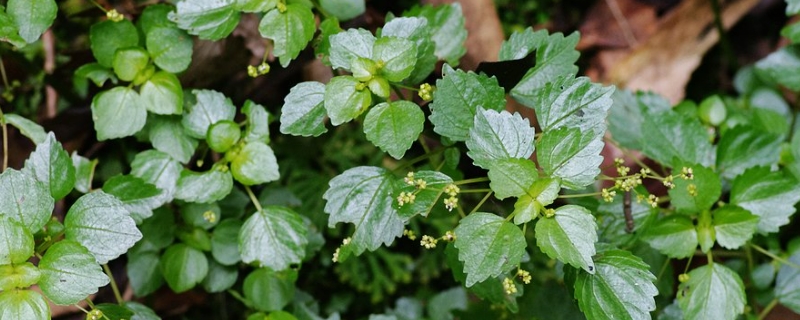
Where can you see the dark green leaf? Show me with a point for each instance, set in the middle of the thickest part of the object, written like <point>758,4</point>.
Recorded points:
<point>290,30</point>
<point>673,236</point>
<point>769,195</point>
<point>712,292</point>
<point>170,48</point>
<point>201,215</point>
<point>512,177</point>
<point>778,66</point>
<point>220,278</point>
<point>787,284</point>
<point>118,113</point>
<point>669,136</point>
<point>707,189</point>
<point>394,126</point>
<point>627,114</point>
<point>274,237</point>
<point>23,304</point>
<point>571,155</point>
<point>183,267</point>
<point>158,231</point>
<point>611,220</point>
<point>457,99</point>
<point>69,273</point>
<point>490,289</point>
<point>207,19</point>
<point>442,304</point>
<point>108,36</point>
<point>269,290</point>
<point>348,45</point>
<point>114,311</point>
<point>303,111</point>
<point>397,55</point>
<point>222,135</point>
<point>573,103</point>
<point>25,199</point>
<point>345,99</point>
<point>167,135</point>
<point>555,57</point>
<point>733,226</point>
<point>343,9</point>
<point>569,236</point>
<point>17,244</point>
<point>32,17</point>
<point>143,272</point>
<point>100,222</point>
<point>255,164</point>
<point>425,198</point>
<point>204,187</point>
<point>51,165</point>
<point>162,94</point>
<point>138,197</point>
<point>447,30</point>
<point>210,107</point>
<point>224,242</point>
<point>488,245</point>
<point>257,122</point>
<point>744,147</point>
<point>499,136</point>
<point>28,128</point>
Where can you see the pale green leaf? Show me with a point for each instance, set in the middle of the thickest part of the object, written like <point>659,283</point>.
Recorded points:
<point>787,283</point>
<point>210,106</point>
<point>733,226</point>
<point>345,99</point>
<point>706,184</point>
<point>107,36</point>
<point>442,304</point>
<point>743,147</point>
<point>343,9</point>
<point>426,198</point>
<point>183,267</point>
<point>255,5</point>
<point>488,245</point>
<point>220,278</point>
<point>32,17</point>
<point>158,231</point>
<point>18,276</point>
<point>84,172</point>
<point>348,45</point>
<point>447,30</point>
<point>70,273</point>
<point>201,215</point>
<point>118,113</point>
<point>51,165</point>
<point>138,197</point>
<point>28,128</point>
<point>9,31</point>
<point>530,204</point>
<point>207,19</point>
<point>255,164</point>
<point>499,136</point>
<point>224,243</point>
<point>769,195</point>
<point>170,48</point>
<point>100,222</point>
<point>398,56</point>
<point>627,113</point>
<point>17,244</point>
<point>143,272</point>
<point>778,66</point>
<point>129,62</point>
<point>668,136</point>
<point>571,155</point>
<point>569,236</point>
<point>290,31</point>
<point>512,177</point>
<point>673,236</point>
<point>417,30</point>
<point>95,72</point>
<point>555,57</point>
<point>140,311</point>
<point>713,292</point>
<point>162,94</point>
<point>257,122</point>
<point>274,237</point>
<point>269,290</point>
<point>167,135</point>
<point>23,304</point>
<point>573,103</point>
<point>159,169</point>
<point>25,199</point>
<point>204,187</point>
<point>394,126</point>
<point>303,111</point>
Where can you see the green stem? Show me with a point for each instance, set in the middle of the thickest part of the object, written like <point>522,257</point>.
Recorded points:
<point>3,74</point>
<point>473,180</point>
<point>486,197</point>
<point>764,313</point>
<point>774,257</point>
<point>578,195</point>
<point>253,197</point>
<point>113,284</point>
<point>5,141</point>
<point>238,296</point>
<point>475,190</point>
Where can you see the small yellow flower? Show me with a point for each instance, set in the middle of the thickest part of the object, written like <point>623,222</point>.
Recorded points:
<point>692,189</point>
<point>608,196</point>
<point>449,236</point>
<point>524,275</point>
<point>406,197</point>
<point>687,173</point>
<point>428,242</point>
<point>336,255</point>
<point>421,184</point>
<point>114,15</point>
<point>652,200</point>
<point>451,190</point>
<point>451,203</point>
<point>669,181</point>
<point>252,71</point>
<point>426,91</point>
<point>410,234</point>
<point>409,179</point>
<point>210,216</point>
<point>549,213</point>
<point>509,287</point>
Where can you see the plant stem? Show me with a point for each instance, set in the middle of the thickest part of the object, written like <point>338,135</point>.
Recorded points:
<point>578,195</point>
<point>253,197</point>
<point>418,159</point>
<point>475,190</point>
<point>473,180</point>
<point>3,74</point>
<point>5,140</point>
<point>486,197</point>
<point>238,296</point>
<point>774,257</point>
<point>764,313</point>
<point>727,50</point>
<point>113,284</point>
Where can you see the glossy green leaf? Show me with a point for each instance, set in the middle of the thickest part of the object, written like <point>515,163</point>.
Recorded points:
<point>442,304</point>
<point>458,97</point>
<point>303,112</point>
<point>792,7</point>
<point>568,154</point>
<point>343,9</point>
<point>140,311</point>
<point>207,19</point>
<point>488,245</point>
<point>612,224</point>
<point>23,304</point>
<point>138,197</point>
<point>274,237</point>
<point>108,36</point>
<point>222,135</point>
<point>167,135</point>
<point>707,188</point>
<point>255,5</point>
<point>32,17</point>
<point>170,48</point>
<point>733,226</point>
<point>159,169</point>
<point>778,66</point>
<point>17,244</point>
<point>9,32</point>
<point>768,111</point>
<point>394,126</point>
<point>201,215</point>
<point>621,288</point>
<point>569,236</point>
<point>744,147</point>
<point>224,242</point>
<point>490,289</point>
<point>210,107</point>
<point>257,122</point>
<point>713,292</point>
<point>95,72</point>
<point>155,16</point>
<point>25,199</point>
<point>769,195</point>
<point>255,164</point>
<point>447,30</point>
<point>220,278</point>
<point>499,136</point>
<point>183,267</point>
<point>345,99</point>
<point>118,113</point>
<point>397,55</point>
<point>348,45</point>
<point>70,273</point>
<point>573,103</point>
<point>129,62</point>
<point>113,311</point>
<point>18,276</point>
<point>669,136</point>
<point>204,187</point>
<point>787,283</point>
<point>162,94</point>
<point>269,290</point>
<point>51,165</point>
<point>363,196</point>
<point>530,204</point>
<point>425,199</point>
<point>101,223</point>
<point>290,30</point>
<point>416,30</point>
<point>673,236</point>
<point>555,57</point>
<point>144,273</point>
<point>84,172</point>
<point>28,128</point>
<point>511,177</point>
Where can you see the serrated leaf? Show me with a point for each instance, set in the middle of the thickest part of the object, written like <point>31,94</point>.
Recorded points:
<point>458,97</point>
<point>23,304</point>
<point>530,204</point>
<point>207,19</point>
<point>706,184</point>
<point>394,126</point>
<point>555,56</point>
<point>398,56</point>
<point>170,48</point>
<point>769,195</point>
<point>256,5</point>
<point>255,164</point>
<point>778,65</point>
<point>144,273</point>
<point>162,94</point>
<point>69,273</point>
<point>673,236</point>
<point>28,128</point>
<point>669,136</point>
<point>363,196</point>
<point>269,290</point>
<point>425,198</point>
<point>627,114</point>
<point>107,36</point>
<point>290,30</point>
<point>25,199</point>
<point>512,177</point>
<point>100,222</point>
<point>32,17</point>
<point>159,169</point>
<point>787,283</point>
<point>713,292</point>
<point>167,135</point>
<point>183,267</point>
<point>257,122</point>
<point>204,187</point>
<point>447,30</point>
<point>743,147</point>
<point>621,288</point>
<point>488,245</point>
<point>353,43</point>
<point>84,172</point>
<point>569,236</point>
<point>303,111</point>
<point>733,226</point>
<point>51,165</point>
<point>209,108</point>
<point>499,136</point>
<point>224,243</point>
<point>118,113</point>
<point>573,103</point>
<point>417,30</point>
<point>17,244</point>
<point>140,311</point>
<point>138,197</point>
<point>344,101</point>
<point>274,237</point>
<point>343,9</point>
<point>220,278</point>
<point>571,155</point>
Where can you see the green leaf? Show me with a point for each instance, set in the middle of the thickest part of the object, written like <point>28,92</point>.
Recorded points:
<point>269,290</point>
<point>255,5</point>
<point>69,273</point>
<point>744,147</point>
<point>447,30</point>
<point>573,103</point>
<point>162,94</point>
<point>303,112</point>
<point>792,7</point>
<point>17,245</point>
<point>207,19</point>
<point>23,304</point>
<point>19,276</point>
<point>569,236</point>
<point>499,136</point>
<point>32,17</point>
<point>733,226</point>
<point>568,154</point>
<point>344,101</point>
<point>442,304</point>
<point>555,57</point>
<point>787,283</point>
<point>627,114</point>
<point>158,231</point>
<point>222,135</point>
<point>612,223</point>
<point>51,165</point>
<point>511,177</point>
<point>170,48</point>
<point>621,288</point>
<point>398,56</point>
<point>274,237</point>
<point>28,128</point>
<point>257,122</point>
<point>24,199</point>
<point>183,267</point>
<point>155,16</point>
<point>488,245</point>
<point>426,198</point>
<point>669,137</point>
<point>129,62</point>
<point>210,107</point>
<point>95,72</point>
<point>118,113</point>
<point>707,188</point>
<point>343,9</point>
<point>140,311</point>
<point>363,196</point>
<point>107,36</point>
<point>204,187</point>
<point>143,272</point>
<point>224,243</point>
<point>138,197</point>
<point>712,292</point>
<point>100,222</point>
<point>541,193</point>
<point>167,135</point>
<point>84,172</point>
<point>290,30</point>
<point>457,100</point>
<point>255,164</point>
<point>673,236</point>
<point>416,30</point>
<point>220,278</point>
<point>778,66</point>
<point>114,311</point>
<point>9,31</point>
<point>769,195</point>
<point>159,169</point>
<point>768,111</point>
<point>197,214</point>
<point>348,45</point>
<point>394,126</point>
<point>490,289</point>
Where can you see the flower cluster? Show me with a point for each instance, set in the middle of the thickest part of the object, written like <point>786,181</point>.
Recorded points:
<point>524,275</point>
<point>608,195</point>
<point>426,91</point>
<point>406,197</point>
<point>509,287</point>
<point>114,15</point>
<point>452,191</point>
<point>428,242</point>
<point>345,242</point>
<point>449,236</point>
<point>260,70</point>
<point>410,234</point>
<point>210,216</point>
<point>409,197</point>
